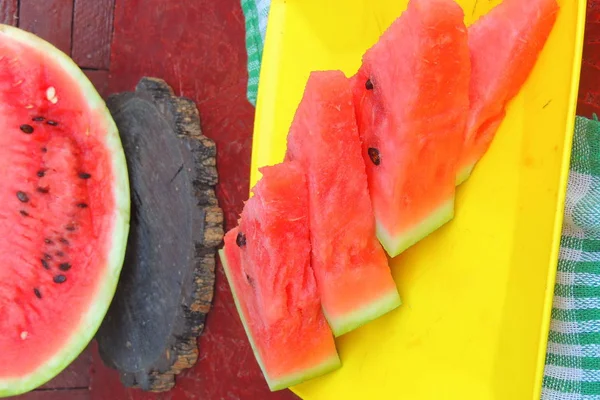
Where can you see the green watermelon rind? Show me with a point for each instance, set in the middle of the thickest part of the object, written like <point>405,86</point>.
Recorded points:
<point>343,324</point>
<point>91,320</point>
<point>284,382</point>
<point>464,174</point>
<point>396,245</point>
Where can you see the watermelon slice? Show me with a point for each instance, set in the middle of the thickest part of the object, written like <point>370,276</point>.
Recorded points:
<point>65,202</point>
<point>354,280</point>
<point>518,30</point>
<point>267,263</point>
<point>411,98</point>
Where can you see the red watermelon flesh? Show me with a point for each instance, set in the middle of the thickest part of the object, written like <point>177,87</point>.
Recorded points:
<point>354,280</point>
<point>267,262</point>
<point>504,45</point>
<point>65,211</point>
<point>411,98</point>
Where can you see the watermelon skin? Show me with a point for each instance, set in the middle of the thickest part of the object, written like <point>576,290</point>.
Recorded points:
<point>38,342</point>
<point>411,99</point>
<point>518,31</point>
<point>273,284</point>
<point>351,269</point>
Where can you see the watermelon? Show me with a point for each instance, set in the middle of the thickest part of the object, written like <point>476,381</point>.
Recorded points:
<point>267,264</point>
<point>518,30</point>
<point>351,269</point>
<point>411,99</point>
<point>65,202</point>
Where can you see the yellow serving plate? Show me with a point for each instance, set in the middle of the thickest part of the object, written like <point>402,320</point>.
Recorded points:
<point>478,292</point>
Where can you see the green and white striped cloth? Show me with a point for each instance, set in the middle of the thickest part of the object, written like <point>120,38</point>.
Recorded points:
<point>573,358</point>
<point>256,13</point>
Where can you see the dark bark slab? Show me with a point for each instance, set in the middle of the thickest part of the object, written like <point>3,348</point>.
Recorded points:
<point>166,287</point>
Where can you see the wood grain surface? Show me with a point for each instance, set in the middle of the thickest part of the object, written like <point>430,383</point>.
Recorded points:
<point>92,31</point>
<point>166,286</point>
<point>49,19</point>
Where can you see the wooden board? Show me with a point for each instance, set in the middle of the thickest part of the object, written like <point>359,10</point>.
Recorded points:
<point>49,19</point>
<point>99,79</point>
<point>75,375</point>
<point>9,12</point>
<point>92,31</point>
<point>74,394</point>
<point>166,286</point>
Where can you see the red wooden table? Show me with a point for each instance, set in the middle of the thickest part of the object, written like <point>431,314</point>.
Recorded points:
<point>198,48</point>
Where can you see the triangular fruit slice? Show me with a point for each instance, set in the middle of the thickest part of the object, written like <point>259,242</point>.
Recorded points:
<point>504,45</point>
<point>267,263</point>
<point>411,98</point>
<point>354,280</point>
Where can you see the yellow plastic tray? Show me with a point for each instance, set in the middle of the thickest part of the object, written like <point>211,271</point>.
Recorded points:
<point>478,292</point>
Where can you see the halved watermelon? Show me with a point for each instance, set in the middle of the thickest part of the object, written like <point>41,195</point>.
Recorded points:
<point>267,263</point>
<point>65,211</point>
<point>505,45</point>
<point>411,98</point>
<point>354,280</point>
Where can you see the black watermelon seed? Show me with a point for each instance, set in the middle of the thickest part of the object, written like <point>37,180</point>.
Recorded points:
<point>41,173</point>
<point>45,264</point>
<point>44,150</point>
<point>59,254</point>
<point>47,256</point>
<point>64,241</point>
<point>37,292</point>
<point>369,84</point>
<point>59,279</point>
<point>250,280</point>
<point>28,129</point>
<point>82,205</point>
<point>52,123</point>
<point>24,213</point>
<point>70,227</point>
<point>374,155</point>
<point>22,196</point>
<point>38,119</point>
<point>64,266</point>
<point>48,241</point>
<point>240,240</point>
<point>43,189</point>
<point>84,175</point>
